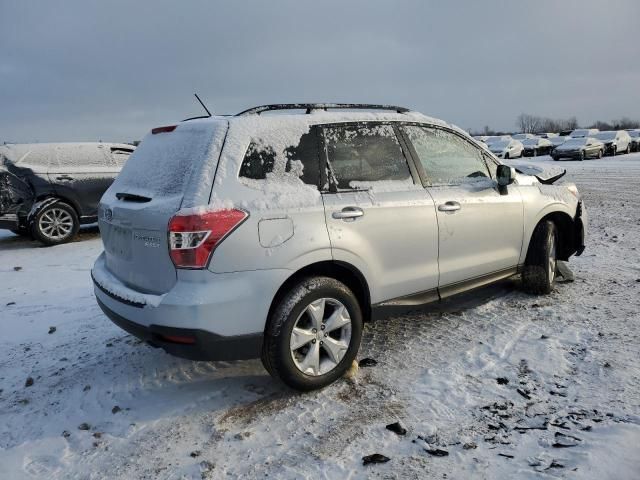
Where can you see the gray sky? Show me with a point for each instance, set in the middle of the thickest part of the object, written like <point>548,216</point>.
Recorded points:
<point>89,70</point>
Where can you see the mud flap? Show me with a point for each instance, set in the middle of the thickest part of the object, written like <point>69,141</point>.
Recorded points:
<point>564,272</point>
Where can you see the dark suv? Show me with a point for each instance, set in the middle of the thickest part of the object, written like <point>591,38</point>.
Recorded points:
<point>47,190</point>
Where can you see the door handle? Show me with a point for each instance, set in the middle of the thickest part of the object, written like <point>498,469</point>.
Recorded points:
<point>348,212</point>
<point>449,206</point>
<point>64,177</point>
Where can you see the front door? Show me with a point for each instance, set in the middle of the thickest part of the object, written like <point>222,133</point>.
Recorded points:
<point>379,217</point>
<point>480,228</point>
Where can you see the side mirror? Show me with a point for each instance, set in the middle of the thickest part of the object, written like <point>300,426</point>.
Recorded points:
<point>506,175</point>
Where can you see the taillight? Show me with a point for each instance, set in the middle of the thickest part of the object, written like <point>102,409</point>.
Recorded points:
<point>167,129</point>
<point>194,237</point>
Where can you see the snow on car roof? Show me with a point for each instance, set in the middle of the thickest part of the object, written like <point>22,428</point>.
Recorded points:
<point>331,116</point>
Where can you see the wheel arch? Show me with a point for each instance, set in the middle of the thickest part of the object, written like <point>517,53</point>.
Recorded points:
<point>341,271</point>
<point>565,229</point>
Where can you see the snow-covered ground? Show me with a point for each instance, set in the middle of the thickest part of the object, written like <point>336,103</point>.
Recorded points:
<point>102,405</point>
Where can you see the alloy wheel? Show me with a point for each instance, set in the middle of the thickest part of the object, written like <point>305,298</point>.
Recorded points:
<point>56,224</point>
<point>552,261</point>
<point>320,337</point>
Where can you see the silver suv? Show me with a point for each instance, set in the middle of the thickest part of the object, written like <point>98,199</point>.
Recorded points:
<point>274,233</point>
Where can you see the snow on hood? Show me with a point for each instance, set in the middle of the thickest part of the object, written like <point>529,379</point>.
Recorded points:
<point>540,171</point>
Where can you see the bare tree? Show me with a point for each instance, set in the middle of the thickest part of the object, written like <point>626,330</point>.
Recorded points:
<point>528,123</point>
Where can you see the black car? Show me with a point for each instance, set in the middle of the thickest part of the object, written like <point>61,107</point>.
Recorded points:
<point>635,140</point>
<point>47,190</point>
<point>536,146</point>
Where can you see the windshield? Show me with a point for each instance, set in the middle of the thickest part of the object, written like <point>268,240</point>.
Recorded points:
<point>574,142</point>
<point>558,140</point>
<point>605,135</point>
<point>530,141</point>
<point>501,145</point>
<point>635,134</point>
<point>579,133</point>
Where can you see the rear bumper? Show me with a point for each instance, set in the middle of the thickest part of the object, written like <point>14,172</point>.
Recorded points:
<point>202,345</point>
<point>224,313</point>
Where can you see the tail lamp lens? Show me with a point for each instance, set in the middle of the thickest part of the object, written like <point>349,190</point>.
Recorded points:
<point>194,237</point>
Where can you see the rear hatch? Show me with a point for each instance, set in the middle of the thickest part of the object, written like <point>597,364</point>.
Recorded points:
<point>172,168</point>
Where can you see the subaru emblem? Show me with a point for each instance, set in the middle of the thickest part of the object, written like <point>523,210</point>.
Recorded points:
<point>108,214</point>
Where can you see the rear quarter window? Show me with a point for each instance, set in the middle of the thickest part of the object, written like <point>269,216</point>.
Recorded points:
<point>267,157</point>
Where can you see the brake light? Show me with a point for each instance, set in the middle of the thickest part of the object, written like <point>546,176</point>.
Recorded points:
<point>167,129</point>
<point>194,237</point>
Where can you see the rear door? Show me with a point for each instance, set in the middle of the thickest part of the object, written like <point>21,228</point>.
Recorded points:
<point>480,229</point>
<point>379,217</point>
<point>172,168</point>
<point>81,173</point>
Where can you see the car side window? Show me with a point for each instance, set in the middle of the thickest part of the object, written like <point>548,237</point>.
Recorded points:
<point>361,154</point>
<point>120,155</point>
<point>263,157</point>
<point>446,158</point>
<point>79,156</point>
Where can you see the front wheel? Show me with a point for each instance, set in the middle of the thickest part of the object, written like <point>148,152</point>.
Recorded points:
<point>539,273</point>
<point>55,224</point>
<point>582,155</point>
<point>313,334</point>
<point>599,154</point>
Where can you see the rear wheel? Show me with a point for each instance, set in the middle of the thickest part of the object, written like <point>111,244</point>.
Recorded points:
<point>582,155</point>
<point>628,150</point>
<point>55,224</point>
<point>506,156</point>
<point>599,154</point>
<point>535,152</point>
<point>313,334</point>
<point>539,273</point>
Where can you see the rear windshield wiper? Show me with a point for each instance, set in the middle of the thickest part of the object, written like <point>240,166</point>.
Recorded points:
<point>132,197</point>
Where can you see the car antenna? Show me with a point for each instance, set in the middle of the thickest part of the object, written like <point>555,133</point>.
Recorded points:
<point>203,105</point>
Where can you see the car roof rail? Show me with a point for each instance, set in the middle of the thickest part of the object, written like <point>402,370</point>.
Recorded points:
<point>309,107</point>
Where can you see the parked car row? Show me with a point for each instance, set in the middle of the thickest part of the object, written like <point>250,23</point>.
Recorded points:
<point>592,143</point>
<point>47,190</point>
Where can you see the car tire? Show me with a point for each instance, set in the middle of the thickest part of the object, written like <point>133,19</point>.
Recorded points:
<point>535,152</point>
<point>600,154</point>
<point>614,150</point>
<point>506,156</point>
<point>628,150</point>
<point>582,155</point>
<point>539,272</point>
<point>309,308</point>
<point>55,224</point>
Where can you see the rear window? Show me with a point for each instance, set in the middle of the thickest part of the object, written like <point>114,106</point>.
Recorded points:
<point>163,163</point>
<point>120,155</point>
